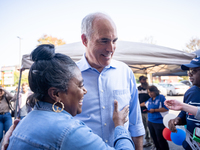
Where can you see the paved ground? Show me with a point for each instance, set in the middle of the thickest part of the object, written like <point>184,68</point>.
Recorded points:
<point>172,146</point>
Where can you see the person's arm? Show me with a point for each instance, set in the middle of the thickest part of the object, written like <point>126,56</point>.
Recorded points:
<point>198,113</point>
<point>136,127</point>
<point>173,122</point>
<point>158,110</point>
<point>8,134</point>
<point>176,105</point>
<point>8,95</point>
<point>142,104</point>
<point>138,142</point>
<point>81,137</point>
<point>14,98</point>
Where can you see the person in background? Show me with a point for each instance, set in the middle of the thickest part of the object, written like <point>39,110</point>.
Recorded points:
<point>143,97</point>
<point>107,80</point>
<point>5,116</point>
<point>156,111</point>
<point>191,97</point>
<point>23,109</point>
<point>176,105</point>
<point>58,89</point>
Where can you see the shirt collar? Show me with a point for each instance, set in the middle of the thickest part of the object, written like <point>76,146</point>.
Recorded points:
<point>40,105</point>
<point>84,65</point>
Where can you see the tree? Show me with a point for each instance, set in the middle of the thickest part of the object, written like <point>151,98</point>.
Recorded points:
<point>193,45</point>
<point>24,77</point>
<point>45,39</point>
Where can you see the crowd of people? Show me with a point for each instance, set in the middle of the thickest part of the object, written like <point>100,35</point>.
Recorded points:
<point>93,103</point>
<point>8,104</point>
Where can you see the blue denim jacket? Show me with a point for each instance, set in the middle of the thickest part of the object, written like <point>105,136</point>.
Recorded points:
<point>43,129</point>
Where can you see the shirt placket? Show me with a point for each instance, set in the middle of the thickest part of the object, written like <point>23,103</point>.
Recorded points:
<point>104,115</point>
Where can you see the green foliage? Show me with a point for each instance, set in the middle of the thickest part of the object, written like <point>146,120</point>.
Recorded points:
<point>185,77</point>
<point>45,39</point>
<point>23,79</point>
<point>137,75</point>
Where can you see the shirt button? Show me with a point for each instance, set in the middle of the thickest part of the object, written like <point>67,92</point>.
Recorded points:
<point>102,91</point>
<point>106,141</point>
<point>105,124</point>
<point>103,107</point>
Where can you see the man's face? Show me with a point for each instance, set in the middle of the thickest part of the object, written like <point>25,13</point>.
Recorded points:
<point>143,80</point>
<point>1,92</point>
<point>25,88</point>
<point>102,44</point>
<point>194,74</point>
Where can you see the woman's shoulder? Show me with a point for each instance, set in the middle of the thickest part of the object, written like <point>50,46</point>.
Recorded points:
<point>48,121</point>
<point>161,96</point>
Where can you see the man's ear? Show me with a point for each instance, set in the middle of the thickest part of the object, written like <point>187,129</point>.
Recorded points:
<point>84,39</point>
<point>53,93</point>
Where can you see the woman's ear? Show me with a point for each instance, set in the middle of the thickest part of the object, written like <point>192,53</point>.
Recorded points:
<point>53,93</point>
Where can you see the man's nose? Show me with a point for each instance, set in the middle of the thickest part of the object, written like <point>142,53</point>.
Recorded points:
<point>111,47</point>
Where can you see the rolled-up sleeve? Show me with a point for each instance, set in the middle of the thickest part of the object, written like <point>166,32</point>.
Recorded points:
<point>136,127</point>
<point>198,114</point>
<point>81,137</point>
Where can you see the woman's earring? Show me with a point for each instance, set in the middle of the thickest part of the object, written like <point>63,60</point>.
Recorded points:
<point>57,108</point>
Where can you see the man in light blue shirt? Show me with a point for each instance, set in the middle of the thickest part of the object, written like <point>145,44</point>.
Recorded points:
<point>106,80</point>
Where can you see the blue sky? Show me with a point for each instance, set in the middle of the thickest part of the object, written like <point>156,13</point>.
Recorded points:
<point>171,23</point>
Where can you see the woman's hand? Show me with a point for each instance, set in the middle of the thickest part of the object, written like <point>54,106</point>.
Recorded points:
<point>120,117</point>
<point>151,111</point>
<point>173,104</point>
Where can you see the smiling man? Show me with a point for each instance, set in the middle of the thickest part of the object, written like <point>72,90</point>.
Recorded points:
<point>191,97</point>
<point>107,80</point>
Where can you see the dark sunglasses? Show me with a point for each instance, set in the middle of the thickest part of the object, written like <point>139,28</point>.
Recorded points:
<point>193,71</point>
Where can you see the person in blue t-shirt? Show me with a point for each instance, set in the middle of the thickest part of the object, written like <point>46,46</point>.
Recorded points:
<point>156,111</point>
<point>191,97</point>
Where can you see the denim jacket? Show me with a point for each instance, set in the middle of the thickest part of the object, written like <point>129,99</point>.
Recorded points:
<point>43,129</point>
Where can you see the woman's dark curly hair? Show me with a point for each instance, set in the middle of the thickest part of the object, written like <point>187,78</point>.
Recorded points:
<point>49,69</point>
<point>154,89</point>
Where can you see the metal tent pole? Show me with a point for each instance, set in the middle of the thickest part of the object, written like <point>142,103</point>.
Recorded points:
<point>17,101</point>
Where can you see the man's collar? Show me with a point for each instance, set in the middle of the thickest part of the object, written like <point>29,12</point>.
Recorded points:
<point>84,65</point>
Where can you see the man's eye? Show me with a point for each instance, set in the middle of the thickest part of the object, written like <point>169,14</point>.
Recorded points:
<point>104,41</point>
<point>82,85</point>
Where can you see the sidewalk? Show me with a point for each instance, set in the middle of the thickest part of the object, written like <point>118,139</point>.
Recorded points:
<point>172,146</point>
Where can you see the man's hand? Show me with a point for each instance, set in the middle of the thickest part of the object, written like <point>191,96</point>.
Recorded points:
<point>173,122</point>
<point>8,135</point>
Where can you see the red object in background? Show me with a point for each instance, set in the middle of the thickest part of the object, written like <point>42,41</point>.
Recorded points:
<point>190,114</point>
<point>167,134</point>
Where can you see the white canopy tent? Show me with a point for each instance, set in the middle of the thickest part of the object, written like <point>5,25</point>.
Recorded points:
<point>141,57</point>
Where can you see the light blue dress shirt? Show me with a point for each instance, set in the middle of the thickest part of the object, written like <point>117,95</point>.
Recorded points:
<point>43,129</point>
<point>115,82</point>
